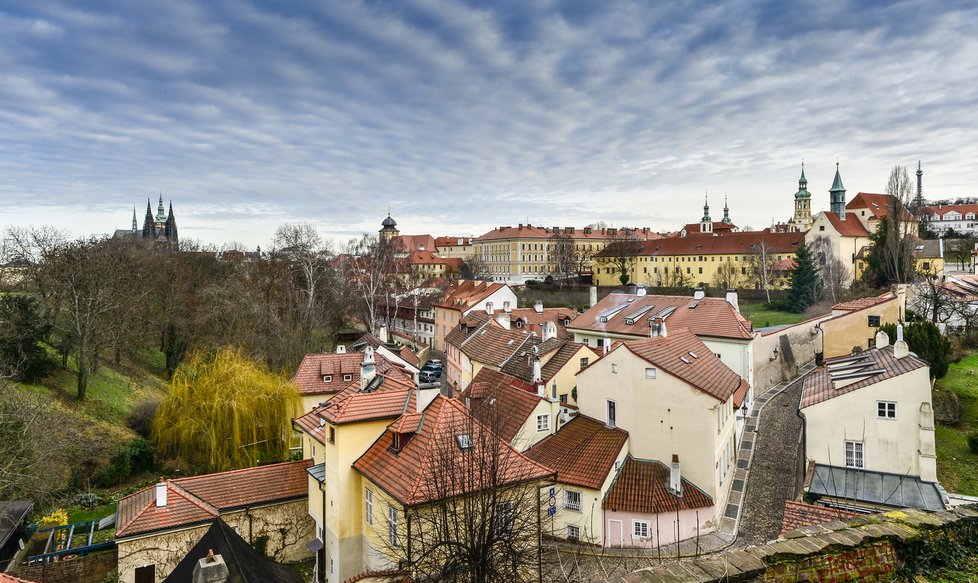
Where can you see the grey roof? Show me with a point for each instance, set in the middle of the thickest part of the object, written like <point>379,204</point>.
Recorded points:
<point>875,488</point>
<point>12,514</point>
<point>318,471</point>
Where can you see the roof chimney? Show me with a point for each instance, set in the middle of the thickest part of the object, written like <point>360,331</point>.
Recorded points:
<point>427,393</point>
<point>210,569</point>
<point>368,368</point>
<point>640,291</point>
<point>593,291</point>
<point>503,319</point>
<point>548,331</point>
<point>489,308</point>
<point>161,493</point>
<point>537,371</point>
<point>340,349</point>
<point>732,298</point>
<point>882,339</point>
<point>538,306</point>
<point>675,477</point>
<point>900,348</point>
<point>657,327</point>
<point>699,293</point>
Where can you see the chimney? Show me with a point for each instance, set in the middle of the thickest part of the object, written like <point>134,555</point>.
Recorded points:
<point>548,331</point>
<point>502,318</point>
<point>427,392</point>
<point>340,349</point>
<point>882,339</point>
<point>699,293</point>
<point>657,327</point>
<point>592,297</point>
<point>732,298</point>
<point>368,368</point>
<point>900,348</point>
<point>675,478</point>
<point>382,334</point>
<point>210,569</point>
<point>161,493</point>
<point>538,306</point>
<point>489,309</point>
<point>537,374</point>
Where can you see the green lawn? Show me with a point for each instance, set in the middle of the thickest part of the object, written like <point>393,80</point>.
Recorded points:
<point>957,467</point>
<point>761,316</point>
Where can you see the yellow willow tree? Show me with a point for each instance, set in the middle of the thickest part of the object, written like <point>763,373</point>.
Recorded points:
<point>225,411</point>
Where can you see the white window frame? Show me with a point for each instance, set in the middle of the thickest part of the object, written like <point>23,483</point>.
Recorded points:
<point>392,537</point>
<point>650,373</point>
<point>545,425</point>
<point>327,378</point>
<point>573,532</point>
<point>640,526</point>
<point>611,413</point>
<point>368,505</point>
<point>347,377</point>
<point>886,410</point>
<point>855,452</point>
<point>570,503</point>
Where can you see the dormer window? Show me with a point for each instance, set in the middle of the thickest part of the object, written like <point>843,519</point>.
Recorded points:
<point>519,323</point>
<point>347,377</point>
<point>464,441</point>
<point>327,378</point>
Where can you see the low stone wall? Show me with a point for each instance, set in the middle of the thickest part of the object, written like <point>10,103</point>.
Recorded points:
<point>867,548</point>
<point>88,569</point>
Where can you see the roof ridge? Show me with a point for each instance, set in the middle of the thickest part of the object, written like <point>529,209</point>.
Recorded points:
<point>193,498</point>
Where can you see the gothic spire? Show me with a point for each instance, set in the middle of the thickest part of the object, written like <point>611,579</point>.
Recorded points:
<point>149,224</point>
<point>726,211</point>
<point>134,224</point>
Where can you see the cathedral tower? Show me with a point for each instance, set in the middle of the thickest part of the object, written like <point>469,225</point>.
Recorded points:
<point>803,203</point>
<point>706,223</point>
<point>837,195</point>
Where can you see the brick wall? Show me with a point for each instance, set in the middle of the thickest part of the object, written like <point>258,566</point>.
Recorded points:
<point>89,569</point>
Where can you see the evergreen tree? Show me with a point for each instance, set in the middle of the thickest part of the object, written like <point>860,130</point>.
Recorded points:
<point>22,329</point>
<point>806,286</point>
<point>926,341</point>
<point>890,259</point>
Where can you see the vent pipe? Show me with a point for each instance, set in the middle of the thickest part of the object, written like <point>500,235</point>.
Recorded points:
<point>675,477</point>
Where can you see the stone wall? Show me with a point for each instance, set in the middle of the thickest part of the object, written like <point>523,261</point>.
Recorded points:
<point>867,548</point>
<point>797,345</point>
<point>88,569</point>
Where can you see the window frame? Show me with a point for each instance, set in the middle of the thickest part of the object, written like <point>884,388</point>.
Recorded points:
<point>572,536</point>
<point>650,373</point>
<point>637,532</point>
<point>347,378</point>
<point>392,519</point>
<point>871,319</point>
<point>545,426</point>
<point>327,378</point>
<point>368,505</point>
<point>858,454</point>
<point>611,413</point>
<point>569,504</point>
<point>886,410</point>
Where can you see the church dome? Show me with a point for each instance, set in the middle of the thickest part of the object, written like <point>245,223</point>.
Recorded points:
<point>389,222</point>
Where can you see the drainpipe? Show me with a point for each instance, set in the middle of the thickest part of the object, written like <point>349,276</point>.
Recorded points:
<point>248,514</point>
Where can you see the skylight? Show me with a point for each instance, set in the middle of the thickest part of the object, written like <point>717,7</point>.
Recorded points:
<point>464,441</point>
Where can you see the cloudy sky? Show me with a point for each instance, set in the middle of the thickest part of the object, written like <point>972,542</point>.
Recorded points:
<point>460,117</point>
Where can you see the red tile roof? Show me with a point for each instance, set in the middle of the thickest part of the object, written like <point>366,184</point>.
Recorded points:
<point>452,241</point>
<point>674,355</point>
<point>583,452</point>
<point>718,227</point>
<point>431,465</point>
<point>643,486</point>
<point>799,514</point>
<point>746,243</point>
<point>707,317</point>
<point>198,499</point>
<point>412,243</point>
<point>942,210</point>
<point>878,204</point>
<point>308,378</point>
<point>388,399</point>
<point>5,578</point>
<point>430,258</point>
<point>863,303</point>
<point>492,344</point>
<point>851,227</point>
<point>465,293</point>
<point>533,320</point>
<point>501,401</point>
<point>819,385</point>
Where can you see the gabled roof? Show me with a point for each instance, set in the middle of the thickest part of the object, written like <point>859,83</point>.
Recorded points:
<point>466,293</point>
<point>416,474</point>
<point>718,227</point>
<point>430,258</point>
<point>244,563</point>
<point>384,398</point>
<point>863,303</point>
<point>706,317</point>
<point>5,578</point>
<point>412,243</point>
<point>532,319</point>
<point>521,364</point>
<point>582,452</point>
<point>746,243</point>
<point>942,210</point>
<point>877,204</point>
<point>452,241</point>
<point>873,366</point>
<point>199,499</point>
<point>799,514</point>
<point>642,486</point>
<point>493,345</point>
<point>851,227</point>
<point>684,356</point>
<point>502,401</point>
<point>308,378</point>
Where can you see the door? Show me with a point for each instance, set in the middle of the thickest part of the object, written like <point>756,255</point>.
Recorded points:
<point>615,536</point>
<point>146,574</point>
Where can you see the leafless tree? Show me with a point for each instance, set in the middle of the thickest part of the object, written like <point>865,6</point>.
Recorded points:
<point>621,252</point>
<point>476,268</point>
<point>368,267</point>
<point>760,268</point>
<point>891,251</point>
<point>727,276</point>
<point>29,457</point>
<point>835,277</point>
<point>563,257</point>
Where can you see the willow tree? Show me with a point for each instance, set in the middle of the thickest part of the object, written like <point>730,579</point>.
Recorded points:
<point>225,411</point>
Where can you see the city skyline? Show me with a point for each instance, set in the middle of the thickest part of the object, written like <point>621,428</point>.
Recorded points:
<point>459,119</point>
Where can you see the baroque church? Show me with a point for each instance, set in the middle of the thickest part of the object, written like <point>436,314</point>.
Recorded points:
<point>161,228</point>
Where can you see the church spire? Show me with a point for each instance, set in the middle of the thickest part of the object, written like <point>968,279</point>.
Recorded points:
<point>726,211</point>
<point>837,195</point>
<point>706,209</point>
<point>134,224</point>
<point>160,216</point>
<point>149,225</point>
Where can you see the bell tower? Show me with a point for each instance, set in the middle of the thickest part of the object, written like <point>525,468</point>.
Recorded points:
<point>803,203</point>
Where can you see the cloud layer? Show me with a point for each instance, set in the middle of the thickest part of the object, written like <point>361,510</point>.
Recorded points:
<point>458,117</point>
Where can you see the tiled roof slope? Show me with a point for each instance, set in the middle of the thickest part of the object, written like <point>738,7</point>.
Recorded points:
<point>521,364</point>
<point>387,400</point>
<point>412,243</point>
<point>494,345</point>
<point>465,293</point>
<point>718,227</point>
<point>199,499</point>
<point>747,243</point>
<point>851,227</point>
<point>432,466</point>
<point>674,355</point>
<point>564,355</point>
<point>799,514</point>
<point>706,317</point>
<point>533,320</point>
<point>863,303</point>
<point>582,453</point>
<point>452,241</point>
<point>5,578</point>
<point>308,378</point>
<point>501,401</point>
<point>878,204</point>
<point>643,486</point>
<point>942,210</point>
<point>819,387</point>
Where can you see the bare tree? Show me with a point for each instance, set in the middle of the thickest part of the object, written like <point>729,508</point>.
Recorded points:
<point>476,268</point>
<point>891,250</point>
<point>369,267</point>
<point>621,252</point>
<point>727,276</point>
<point>835,277</point>
<point>760,268</point>
<point>563,257</point>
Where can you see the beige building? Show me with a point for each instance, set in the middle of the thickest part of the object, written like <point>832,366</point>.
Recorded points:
<point>854,324</point>
<point>156,527</point>
<point>464,297</point>
<point>869,430</point>
<point>833,237</point>
<point>675,397</point>
<point>454,247</point>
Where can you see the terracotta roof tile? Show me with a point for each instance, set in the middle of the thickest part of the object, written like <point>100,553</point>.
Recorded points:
<point>452,241</point>
<point>493,345</point>
<point>308,378</point>
<point>707,317</point>
<point>464,293</point>
<point>502,401</point>
<point>942,210</point>
<point>863,303</point>
<point>582,453</point>
<point>386,400</point>
<point>533,320</point>
<point>799,514</point>
<point>411,243</point>
<point>746,243</point>
<point>819,385</point>
<point>643,486</point>
<point>410,475</point>
<point>574,233</point>
<point>718,227</point>
<point>851,227</point>
<point>5,578</point>
<point>198,499</point>
<point>878,204</point>
<point>674,355</point>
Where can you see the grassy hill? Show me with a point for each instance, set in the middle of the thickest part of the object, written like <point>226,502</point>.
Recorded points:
<point>957,466</point>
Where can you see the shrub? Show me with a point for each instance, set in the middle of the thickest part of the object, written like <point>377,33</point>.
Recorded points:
<point>973,442</point>
<point>140,419</point>
<point>57,517</point>
<point>87,500</point>
<point>136,458</point>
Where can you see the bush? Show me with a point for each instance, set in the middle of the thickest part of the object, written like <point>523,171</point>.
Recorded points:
<point>136,458</point>
<point>140,419</point>
<point>87,500</point>
<point>140,456</point>
<point>973,442</point>
<point>927,342</point>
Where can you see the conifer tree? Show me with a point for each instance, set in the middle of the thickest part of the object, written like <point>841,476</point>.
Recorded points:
<point>806,288</point>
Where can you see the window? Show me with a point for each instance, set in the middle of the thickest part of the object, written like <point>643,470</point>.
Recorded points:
<point>614,368</point>
<point>543,422</point>
<point>332,434</point>
<point>701,270</point>
<point>327,378</point>
<point>464,441</point>
<point>886,409</point>
<point>392,526</point>
<point>348,377</point>
<point>505,518</point>
<point>854,454</point>
<point>821,227</point>
<point>146,574</point>
<point>611,414</point>
<point>650,373</point>
<point>874,321</point>
<point>368,505</point>
<point>640,528</point>
<point>573,532</point>
<point>572,500</point>
<point>563,399</point>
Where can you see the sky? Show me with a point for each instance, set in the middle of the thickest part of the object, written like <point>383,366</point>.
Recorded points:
<point>460,116</point>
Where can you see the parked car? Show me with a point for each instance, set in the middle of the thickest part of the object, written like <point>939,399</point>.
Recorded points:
<point>430,373</point>
<point>434,363</point>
